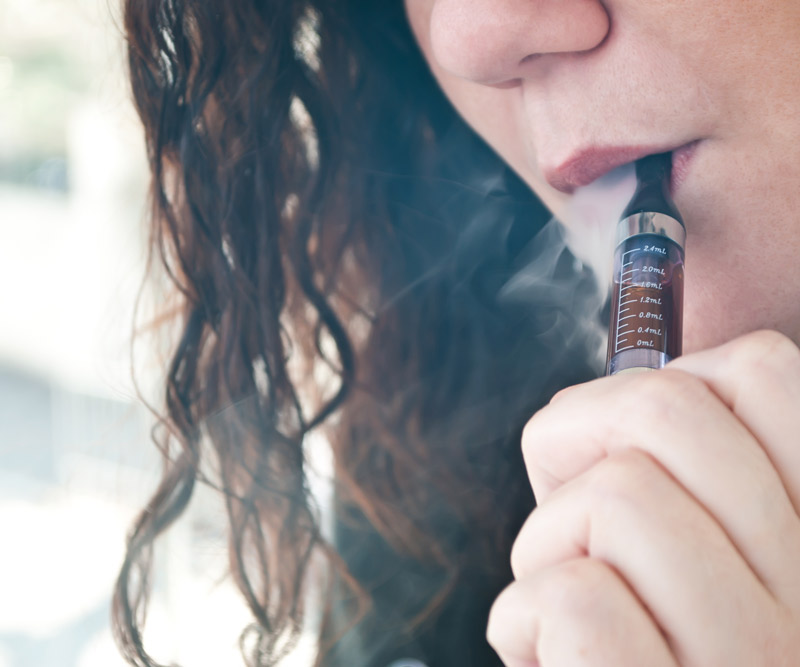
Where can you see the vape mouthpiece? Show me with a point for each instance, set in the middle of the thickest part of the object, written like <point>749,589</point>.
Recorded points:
<point>654,168</point>
<point>652,194</point>
<point>646,325</point>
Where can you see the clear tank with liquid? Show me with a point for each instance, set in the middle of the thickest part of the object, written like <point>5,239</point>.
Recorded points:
<point>646,324</point>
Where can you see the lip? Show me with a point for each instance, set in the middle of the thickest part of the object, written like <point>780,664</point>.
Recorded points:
<point>589,164</point>
<point>681,158</point>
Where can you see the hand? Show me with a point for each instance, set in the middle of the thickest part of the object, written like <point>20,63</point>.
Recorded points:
<point>667,531</point>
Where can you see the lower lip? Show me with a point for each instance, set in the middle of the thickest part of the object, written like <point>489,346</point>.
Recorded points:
<point>681,163</point>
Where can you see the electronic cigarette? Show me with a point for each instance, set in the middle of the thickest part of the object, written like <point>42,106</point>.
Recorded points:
<point>646,324</point>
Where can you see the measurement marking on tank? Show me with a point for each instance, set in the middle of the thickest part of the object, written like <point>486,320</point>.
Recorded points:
<point>622,319</point>
<point>650,299</point>
<point>651,316</point>
<point>654,248</point>
<point>630,347</point>
<point>645,343</point>
<point>649,331</point>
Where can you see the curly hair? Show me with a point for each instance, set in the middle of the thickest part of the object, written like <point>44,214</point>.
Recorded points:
<point>337,239</point>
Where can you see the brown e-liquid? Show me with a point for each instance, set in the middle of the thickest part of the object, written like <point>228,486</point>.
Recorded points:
<point>646,326</point>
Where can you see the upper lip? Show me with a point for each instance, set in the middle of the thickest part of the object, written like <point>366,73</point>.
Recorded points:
<point>588,164</point>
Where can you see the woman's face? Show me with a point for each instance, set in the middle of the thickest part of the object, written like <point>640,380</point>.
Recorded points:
<point>564,90</point>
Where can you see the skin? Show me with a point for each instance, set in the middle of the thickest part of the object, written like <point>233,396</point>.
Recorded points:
<point>667,530</point>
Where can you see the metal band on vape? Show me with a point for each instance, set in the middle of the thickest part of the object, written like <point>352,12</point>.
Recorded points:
<point>651,223</point>
<point>636,361</point>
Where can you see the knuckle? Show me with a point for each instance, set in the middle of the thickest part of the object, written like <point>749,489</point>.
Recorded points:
<point>529,438</point>
<point>496,614</point>
<point>540,456</point>
<point>666,395</point>
<point>517,558</point>
<point>573,588</point>
<point>532,431</point>
<point>520,549</point>
<point>764,352</point>
<point>515,608</point>
<point>620,482</point>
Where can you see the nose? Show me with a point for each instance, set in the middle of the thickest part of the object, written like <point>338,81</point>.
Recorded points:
<point>496,41</point>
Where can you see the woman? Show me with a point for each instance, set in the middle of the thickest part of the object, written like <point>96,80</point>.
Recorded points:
<point>319,202</point>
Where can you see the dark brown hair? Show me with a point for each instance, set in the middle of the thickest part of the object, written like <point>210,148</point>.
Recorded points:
<point>337,238</point>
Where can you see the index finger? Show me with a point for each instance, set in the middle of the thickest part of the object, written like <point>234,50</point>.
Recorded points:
<point>758,378</point>
<point>680,419</point>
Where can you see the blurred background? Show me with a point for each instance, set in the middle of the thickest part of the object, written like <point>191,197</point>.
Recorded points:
<point>76,461</point>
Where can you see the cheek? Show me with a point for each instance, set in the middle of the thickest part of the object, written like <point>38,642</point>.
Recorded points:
<point>496,114</point>
<point>742,252</point>
<point>489,111</point>
<point>498,117</point>
<point>741,282</point>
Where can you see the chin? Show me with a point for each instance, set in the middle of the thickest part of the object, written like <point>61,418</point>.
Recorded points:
<point>705,336</point>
